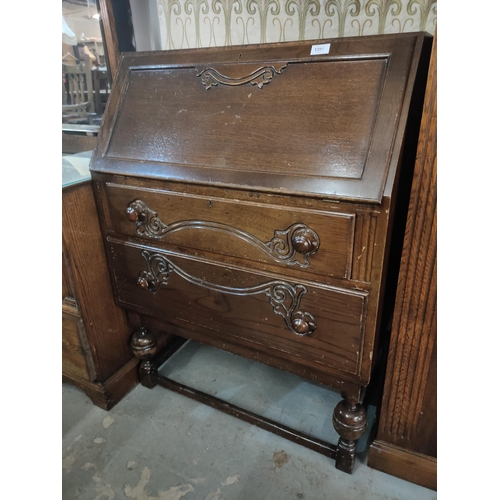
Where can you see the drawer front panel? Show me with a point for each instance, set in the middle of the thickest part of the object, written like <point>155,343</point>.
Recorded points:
<point>318,243</point>
<point>317,326</point>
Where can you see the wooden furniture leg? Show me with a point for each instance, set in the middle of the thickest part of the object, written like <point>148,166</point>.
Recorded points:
<point>349,416</point>
<point>144,347</point>
<point>349,420</point>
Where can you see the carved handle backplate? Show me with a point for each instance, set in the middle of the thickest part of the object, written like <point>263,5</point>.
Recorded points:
<point>291,246</point>
<point>283,296</point>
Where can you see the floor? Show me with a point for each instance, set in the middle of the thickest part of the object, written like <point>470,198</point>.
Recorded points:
<point>158,445</point>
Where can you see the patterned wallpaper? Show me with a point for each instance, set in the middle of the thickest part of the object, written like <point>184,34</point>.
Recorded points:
<point>207,23</point>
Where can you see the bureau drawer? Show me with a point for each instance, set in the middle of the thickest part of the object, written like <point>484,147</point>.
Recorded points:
<point>269,237</point>
<point>318,326</point>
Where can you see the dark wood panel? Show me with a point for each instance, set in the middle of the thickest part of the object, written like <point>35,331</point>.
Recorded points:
<point>67,287</point>
<point>105,324</point>
<point>245,311</point>
<point>408,410</point>
<point>245,122</point>
<point>107,394</point>
<point>91,320</point>
<point>109,35</point>
<point>74,356</point>
<point>411,466</point>
<point>247,231</point>
<point>160,135</point>
<point>76,143</point>
<point>414,326</point>
<point>424,440</point>
<point>366,230</point>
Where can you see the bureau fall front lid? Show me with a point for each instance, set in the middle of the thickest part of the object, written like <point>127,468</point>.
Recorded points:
<point>270,118</point>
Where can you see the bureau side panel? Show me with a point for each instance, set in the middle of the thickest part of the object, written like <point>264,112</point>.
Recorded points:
<point>105,324</point>
<point>74,356</point>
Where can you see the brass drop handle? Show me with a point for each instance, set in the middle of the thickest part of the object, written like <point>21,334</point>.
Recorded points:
<point>134,213</point>
<point>305,240</point>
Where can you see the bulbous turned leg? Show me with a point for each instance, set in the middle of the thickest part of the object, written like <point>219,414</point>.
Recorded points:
<point>144,346</point>
<point>349,420</point>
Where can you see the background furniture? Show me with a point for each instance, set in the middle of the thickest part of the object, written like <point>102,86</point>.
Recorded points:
<point>100,83</point>
<point>77,138</point>
<point>406,441</point>
<point>93,46</point>
<point>250,205</point>
<point>78,92</point>
<point>117,31</point>
<point>95,336</point>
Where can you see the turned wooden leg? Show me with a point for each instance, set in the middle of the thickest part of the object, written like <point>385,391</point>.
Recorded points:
<point>349,420</point>
<point>144,347</point>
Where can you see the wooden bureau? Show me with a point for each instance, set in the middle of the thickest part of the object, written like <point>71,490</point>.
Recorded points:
<point>247,197</point>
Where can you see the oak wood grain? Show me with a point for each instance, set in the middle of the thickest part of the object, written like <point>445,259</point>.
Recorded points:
<point>245,317</point>
<point>200,145</point>
<point>408,410</point>
<point>95,331</point>
<point>83,241</point>
<point>67,286</point>
<point>74,357</point>
<point>148,134</point>
<point>408,465</point>
<point>240,229</point>
<point>108,393</point>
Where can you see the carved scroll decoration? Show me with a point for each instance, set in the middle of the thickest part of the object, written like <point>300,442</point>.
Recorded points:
<point>284,244</point>
<point>283,296</point>
<point>280,248</point>
<point>210,77</point>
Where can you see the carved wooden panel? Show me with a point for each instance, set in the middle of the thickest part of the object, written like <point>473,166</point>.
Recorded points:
<point>259,77</point>
<point>250,308</point>
<point>167,93</point>
<point>315,242</point>
<point>165,118</point>
<point>283,296</point>
<point>291,246</point>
